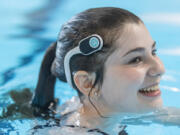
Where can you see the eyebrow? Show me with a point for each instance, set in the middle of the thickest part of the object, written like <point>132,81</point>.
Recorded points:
<point>139,49</point>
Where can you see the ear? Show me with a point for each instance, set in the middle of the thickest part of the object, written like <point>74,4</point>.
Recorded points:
<point>84,81</point>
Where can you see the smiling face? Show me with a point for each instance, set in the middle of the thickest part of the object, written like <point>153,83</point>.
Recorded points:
<point>130,71</point>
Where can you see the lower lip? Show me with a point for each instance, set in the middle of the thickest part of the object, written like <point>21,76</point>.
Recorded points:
<point>151,94</point>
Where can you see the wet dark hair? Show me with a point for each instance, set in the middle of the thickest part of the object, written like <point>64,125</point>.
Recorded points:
<point>108,22</point>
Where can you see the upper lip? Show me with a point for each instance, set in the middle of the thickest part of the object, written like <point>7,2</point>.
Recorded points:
<point>149,86</point>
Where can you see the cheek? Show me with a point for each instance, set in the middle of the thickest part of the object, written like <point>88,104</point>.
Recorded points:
<point>120,85</point>
<point>132,78</point>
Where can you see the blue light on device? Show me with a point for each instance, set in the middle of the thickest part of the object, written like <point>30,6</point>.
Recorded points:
<point>94,42</point>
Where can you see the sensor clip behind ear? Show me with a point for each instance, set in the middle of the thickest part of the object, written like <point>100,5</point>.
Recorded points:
<point>86,46</point>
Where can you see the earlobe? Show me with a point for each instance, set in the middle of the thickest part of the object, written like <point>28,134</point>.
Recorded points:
<point>84,81</point>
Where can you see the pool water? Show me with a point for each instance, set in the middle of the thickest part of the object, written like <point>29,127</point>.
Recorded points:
<point>28,27</point>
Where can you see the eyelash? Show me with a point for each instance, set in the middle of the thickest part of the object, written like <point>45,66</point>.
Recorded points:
<point>154,52</point>
<point>138,59</point>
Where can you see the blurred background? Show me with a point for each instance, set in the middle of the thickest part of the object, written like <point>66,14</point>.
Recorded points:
<point>28,27</point>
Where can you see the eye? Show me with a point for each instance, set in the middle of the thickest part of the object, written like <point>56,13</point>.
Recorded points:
<point>154,52</point>
<point>136,60</point>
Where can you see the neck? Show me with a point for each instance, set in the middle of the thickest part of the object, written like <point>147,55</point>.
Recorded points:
<point>90,118</point>
<point>87,116</point>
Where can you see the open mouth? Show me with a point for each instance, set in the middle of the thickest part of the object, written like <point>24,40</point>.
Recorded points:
<point>152,91</point>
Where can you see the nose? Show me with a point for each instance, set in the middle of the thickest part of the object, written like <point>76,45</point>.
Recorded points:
<point>156,67</point>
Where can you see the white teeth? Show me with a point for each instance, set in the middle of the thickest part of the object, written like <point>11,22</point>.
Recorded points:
<point>153,88</point>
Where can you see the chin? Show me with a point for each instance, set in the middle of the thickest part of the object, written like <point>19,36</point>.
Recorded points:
<point>149,103</point>
<point>149,106</point>
<point>155,105</point>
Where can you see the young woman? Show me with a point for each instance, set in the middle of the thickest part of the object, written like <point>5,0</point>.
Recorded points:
<point>109,57</point>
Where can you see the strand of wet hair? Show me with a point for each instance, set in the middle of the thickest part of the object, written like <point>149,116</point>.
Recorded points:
<point>94,105</point>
